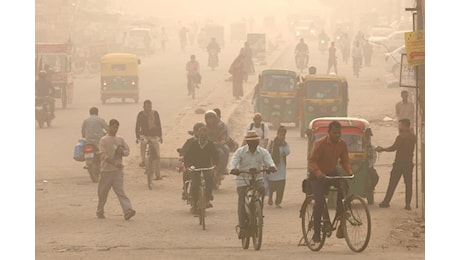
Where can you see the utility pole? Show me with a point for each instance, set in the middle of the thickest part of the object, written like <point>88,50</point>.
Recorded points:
<point>421,85</point>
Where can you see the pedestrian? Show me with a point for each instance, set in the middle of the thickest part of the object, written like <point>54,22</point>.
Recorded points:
<point>148,127</point>
<point>345,47</point>
<point>256,94</point>
<point>248,63</point>
<point>202,153</point>
<point>405,109</point>
<point>402,165</point>
<point>113,148</point>
<point>323,160</point>
<point>357,56</point>
<point>261,129</point>
<point>278,149</point>
<point>332,60</point>
<point>237,70</point>
<point>247,157</point>
<point>367,53</point>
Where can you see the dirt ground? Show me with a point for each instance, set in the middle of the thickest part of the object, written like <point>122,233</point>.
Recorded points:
<point>66,226</point>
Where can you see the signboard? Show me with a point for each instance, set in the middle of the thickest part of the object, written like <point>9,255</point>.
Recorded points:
<point>407,74</point>
<point>415,47</point>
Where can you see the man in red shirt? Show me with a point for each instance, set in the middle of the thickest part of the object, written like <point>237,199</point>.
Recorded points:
<point>403,165</point>
<point>325,155</point>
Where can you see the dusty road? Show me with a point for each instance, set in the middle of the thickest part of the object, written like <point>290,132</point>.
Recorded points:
<point>66,226</point>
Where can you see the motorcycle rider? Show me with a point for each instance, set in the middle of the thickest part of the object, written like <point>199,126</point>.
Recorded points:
<point>94,127</point>
<point>213,49</point>
<point>323,40</point>
<point>45,90</point>
<point>218,134</point>
<point>301,49</point>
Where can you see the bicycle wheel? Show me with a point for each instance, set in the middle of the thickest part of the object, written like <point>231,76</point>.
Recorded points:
<point>357,221</point>
<point>202,207</point>
<point>149,172</point>
<point>258,219</point>
<point>306,213</point>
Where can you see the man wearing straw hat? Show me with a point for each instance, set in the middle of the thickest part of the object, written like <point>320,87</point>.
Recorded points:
<point>249,156</point>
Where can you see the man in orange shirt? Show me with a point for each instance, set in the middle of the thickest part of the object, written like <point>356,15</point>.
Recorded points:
<point>326,153</point>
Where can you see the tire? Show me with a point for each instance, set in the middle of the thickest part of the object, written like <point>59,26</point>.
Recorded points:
<point>306,214</point>
<point>245,242</point>
<point>48,121</point>
<point>357,221</point>
<point>258,223</point>
<point>40,123</point>
<point>202,207</point>
<point>370,198</point>
<point>93,173</point>
<point>149,172</point>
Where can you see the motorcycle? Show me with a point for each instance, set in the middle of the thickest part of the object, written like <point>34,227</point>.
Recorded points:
<point>213,59</point>
<point>323,46</point>
<point>301,60</point>
<point>92,160</point>
<point>43,111</point>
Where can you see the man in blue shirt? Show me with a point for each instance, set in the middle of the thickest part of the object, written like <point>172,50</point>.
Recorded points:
<point>246,157</point>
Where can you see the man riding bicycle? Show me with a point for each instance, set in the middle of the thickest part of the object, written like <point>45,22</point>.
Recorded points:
<point>193,73</point>
<point>246,157</point>
<point>201,153</point>
<point>323,161</point>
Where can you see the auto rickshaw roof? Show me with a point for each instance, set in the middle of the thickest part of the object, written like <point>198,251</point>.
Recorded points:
<point>111,57</point>
<point>323,77</point>
<point>345,122</point>
<point>279,72</point>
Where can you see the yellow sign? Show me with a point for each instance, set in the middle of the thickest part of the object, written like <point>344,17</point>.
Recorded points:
<point>415,47</point>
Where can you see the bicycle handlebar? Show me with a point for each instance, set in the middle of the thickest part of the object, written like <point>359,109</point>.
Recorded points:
<point>340,177</point>
<point>254,171</point>
<point>193,169</point>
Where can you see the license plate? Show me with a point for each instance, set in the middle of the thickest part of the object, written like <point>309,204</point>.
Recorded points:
<point>89,155</point>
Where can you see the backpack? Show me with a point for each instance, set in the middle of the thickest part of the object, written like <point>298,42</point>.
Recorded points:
<point>261,126</point>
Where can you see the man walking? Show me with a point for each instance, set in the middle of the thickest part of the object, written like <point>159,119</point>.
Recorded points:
<point>113,148</point>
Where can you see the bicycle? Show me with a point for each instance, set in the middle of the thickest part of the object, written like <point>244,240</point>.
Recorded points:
<point>150,155</point>
<point>355,218</point>
<point>193,85</point>
<point>202,201</point>
<point>254,210</point>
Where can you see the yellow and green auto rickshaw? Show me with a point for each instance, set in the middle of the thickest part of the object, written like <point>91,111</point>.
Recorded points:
<point>276,96</point>
<point>120,76</point>
<point>321,96</point>
<point>356,132</point>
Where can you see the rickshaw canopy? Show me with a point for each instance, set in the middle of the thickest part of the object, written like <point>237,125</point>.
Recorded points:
<point>119,64</point>
<point>279,80</point>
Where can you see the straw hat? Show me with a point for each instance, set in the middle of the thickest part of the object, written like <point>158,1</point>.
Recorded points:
<point>252,135</point>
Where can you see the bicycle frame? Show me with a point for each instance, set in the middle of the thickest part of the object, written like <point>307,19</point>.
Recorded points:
<point>254,211</point>
<point>202,201</point>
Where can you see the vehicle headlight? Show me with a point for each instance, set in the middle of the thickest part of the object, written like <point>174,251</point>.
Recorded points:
<point>334,108</point>
<point>288,101</point>
<point>266,101</point>
<point>310,109</point>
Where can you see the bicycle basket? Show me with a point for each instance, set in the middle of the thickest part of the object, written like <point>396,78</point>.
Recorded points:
<point>306,186</point>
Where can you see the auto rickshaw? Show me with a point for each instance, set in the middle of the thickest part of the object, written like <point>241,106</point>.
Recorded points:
<point>276,97</point>
<point>356,132</point>
<point>321,96</point>
<point>120,76</point>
